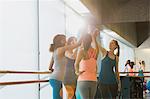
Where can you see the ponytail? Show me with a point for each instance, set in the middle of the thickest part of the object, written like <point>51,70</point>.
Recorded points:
<point>118,51</point>
<point>118,48</point>
<point>52,47</point>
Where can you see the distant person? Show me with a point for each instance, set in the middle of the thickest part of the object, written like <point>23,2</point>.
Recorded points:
<point>137,67</point>
<point>142,68</point>
<point>131,69</point>
<point>127,67</point>
<point>143,65</point>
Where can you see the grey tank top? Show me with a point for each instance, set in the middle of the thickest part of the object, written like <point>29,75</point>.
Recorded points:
<point>59,67</point>
<point>107,75</point>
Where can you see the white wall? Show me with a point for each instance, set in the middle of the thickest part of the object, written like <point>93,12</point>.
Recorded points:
<point>19,41</point>
<point>143,54</point>
<point>52,22</point>
<point>74,22</point>
<point>18,46</point>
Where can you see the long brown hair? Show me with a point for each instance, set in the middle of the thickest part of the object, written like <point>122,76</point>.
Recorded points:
<point>87,39</point>
<point>118,48</point>
<point>57,42</point>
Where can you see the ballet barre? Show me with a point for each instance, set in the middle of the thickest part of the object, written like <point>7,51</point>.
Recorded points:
<point>24,72</point>
<point>22,82</point>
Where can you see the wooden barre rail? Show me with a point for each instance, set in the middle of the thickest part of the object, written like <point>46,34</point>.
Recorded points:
<point>24,72</point>
<point>43,72</point>
<point>22,82</point>
<point>39,81</point>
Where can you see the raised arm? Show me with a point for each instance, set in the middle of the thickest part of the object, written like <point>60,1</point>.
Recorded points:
<point>71,46</point>
<point>78,59</point>
<point>95,44</point>
<point>100,48</point>
<point>67,47</point>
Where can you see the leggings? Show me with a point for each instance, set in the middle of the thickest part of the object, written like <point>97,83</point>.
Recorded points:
<point>56,85</point>
<point>108,91</point>
<point>87,89</point>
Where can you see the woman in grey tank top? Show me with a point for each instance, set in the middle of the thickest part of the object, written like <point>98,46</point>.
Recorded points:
<point>58,63</point>
<point>108,78</point>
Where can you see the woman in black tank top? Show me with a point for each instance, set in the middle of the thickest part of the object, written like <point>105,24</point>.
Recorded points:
<point>70,78</point>
<point>108,78</point>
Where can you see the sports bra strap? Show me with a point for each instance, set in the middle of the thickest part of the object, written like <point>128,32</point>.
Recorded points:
<point>108,56</point>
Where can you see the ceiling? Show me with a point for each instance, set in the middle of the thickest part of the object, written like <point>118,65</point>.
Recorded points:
<point>145,44</point>
<point>129,18</point>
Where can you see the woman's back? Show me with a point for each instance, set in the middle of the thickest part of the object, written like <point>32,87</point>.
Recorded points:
<point>59,67</point>
<point>88,66</point>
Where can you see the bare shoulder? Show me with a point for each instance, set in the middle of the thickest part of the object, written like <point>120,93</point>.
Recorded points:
<point>60,51</point>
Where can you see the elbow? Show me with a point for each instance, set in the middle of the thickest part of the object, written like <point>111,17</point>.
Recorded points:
<point>76,66</point>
